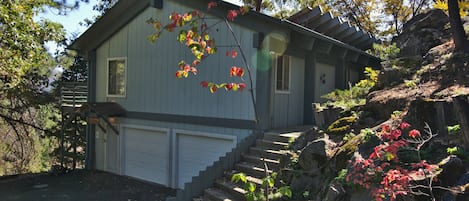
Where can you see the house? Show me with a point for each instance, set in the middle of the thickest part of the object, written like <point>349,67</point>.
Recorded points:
<point>172,128</point>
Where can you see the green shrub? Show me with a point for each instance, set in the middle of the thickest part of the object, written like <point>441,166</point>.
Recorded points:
<point>355,95</point>
<point>385,52</point>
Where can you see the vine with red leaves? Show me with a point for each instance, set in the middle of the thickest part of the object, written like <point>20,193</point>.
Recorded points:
<point>384,173</point>
<point>194,33</point>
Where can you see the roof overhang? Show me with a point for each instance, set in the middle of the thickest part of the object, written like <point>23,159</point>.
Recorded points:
<point>325,23</point>
<point>125,10</point>
<point>107,25</point>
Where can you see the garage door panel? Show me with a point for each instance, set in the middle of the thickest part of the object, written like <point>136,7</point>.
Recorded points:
<point>195,153</point>
<point>146,155</point>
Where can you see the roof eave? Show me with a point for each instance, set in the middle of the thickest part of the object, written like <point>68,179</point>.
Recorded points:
<point>97,33</point>
<point>305,30</point>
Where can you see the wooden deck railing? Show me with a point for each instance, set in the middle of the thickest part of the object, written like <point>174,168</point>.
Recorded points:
<point>73,94</point>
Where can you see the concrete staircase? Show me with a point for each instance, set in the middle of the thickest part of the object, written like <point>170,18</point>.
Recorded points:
<point>270,148</point>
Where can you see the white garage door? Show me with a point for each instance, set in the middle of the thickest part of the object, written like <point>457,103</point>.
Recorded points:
<point>196,152</point>
<point>146,155</point>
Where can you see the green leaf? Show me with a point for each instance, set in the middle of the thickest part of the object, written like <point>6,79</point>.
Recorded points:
<point>213,50</point>
<point>389,156</point>
<point>285,191</point>
<point>238,176</point>
<point>250,197</point>
<point>250,187</point>
<point>222,85</point>
<point>269,181</point>
<point>182,36</point>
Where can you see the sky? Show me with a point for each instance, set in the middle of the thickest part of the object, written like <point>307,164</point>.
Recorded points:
<point>71,21</point>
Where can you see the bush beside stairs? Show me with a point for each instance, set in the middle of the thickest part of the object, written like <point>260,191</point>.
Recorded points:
<point>272,148</point>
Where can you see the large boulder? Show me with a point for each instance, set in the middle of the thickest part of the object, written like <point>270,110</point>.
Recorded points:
<point>306,137</point>
<point>453,170</point>
<point>423,32</point>
<point>336,192</point>
<point>395,71</point>
<point>315,155</point>
<point>462,183</point>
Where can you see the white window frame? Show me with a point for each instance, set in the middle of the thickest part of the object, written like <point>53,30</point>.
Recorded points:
<point>285,91</point>
<point>125,77</point>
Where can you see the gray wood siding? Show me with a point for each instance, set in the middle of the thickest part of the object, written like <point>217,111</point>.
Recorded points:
<point>151,84</point>
<point>239,133</point>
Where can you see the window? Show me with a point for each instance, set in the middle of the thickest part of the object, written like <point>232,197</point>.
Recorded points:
<point>282,75</point>
<point>116,77</point>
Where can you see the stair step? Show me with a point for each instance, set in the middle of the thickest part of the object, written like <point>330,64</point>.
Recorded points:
<point>251,179</point>
<point>215,194</point>
<point>280,137</point>
<point>258,160</point>
<point>231,188</point>
<point>267,153</point>
<point>251,169</point>
<point>271,144</point>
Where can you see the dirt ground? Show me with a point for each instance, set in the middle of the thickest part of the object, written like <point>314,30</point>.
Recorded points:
<point>80,185</point>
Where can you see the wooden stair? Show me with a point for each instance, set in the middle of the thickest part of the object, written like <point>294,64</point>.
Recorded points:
<point>270,148</point>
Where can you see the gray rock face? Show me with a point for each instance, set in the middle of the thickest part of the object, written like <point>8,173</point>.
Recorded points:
<point>336,192</point>
<point>458,197</point>
<point>423,32</point>
<point>308,136</point>
<point>314,155</point>
<point>360,195</point>
<point>453,169</point>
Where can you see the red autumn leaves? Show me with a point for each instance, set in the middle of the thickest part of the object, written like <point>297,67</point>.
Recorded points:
<point>185,69</point>
<point>194,34</point>
<point>227,86</point>
<point>234,72</point>
<point>383,172</point>
<point>232,14</point>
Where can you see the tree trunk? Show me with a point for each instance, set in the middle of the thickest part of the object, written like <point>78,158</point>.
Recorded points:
<point>459,35</point>
<point>258,5</point>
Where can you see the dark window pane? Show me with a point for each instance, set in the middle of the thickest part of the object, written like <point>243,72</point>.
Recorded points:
<point>282,73</point>
<point>116,77</point>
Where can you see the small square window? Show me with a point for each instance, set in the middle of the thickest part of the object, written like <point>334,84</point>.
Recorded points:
<point>282,75</point>
<point>116,77</point>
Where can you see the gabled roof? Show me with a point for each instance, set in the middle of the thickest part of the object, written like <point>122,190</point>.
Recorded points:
<point>125,10</point>
<point>325,23</point>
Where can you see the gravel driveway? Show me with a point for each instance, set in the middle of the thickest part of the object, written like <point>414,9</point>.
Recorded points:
<point>80,185</point>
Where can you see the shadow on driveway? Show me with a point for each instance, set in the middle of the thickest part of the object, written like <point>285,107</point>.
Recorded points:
<point>80,185</point>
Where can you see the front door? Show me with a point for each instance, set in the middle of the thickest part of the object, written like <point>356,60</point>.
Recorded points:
<point>288,91</point>
<point>324,81</point>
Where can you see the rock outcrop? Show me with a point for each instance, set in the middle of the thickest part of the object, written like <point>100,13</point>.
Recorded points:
<point>423,32</point>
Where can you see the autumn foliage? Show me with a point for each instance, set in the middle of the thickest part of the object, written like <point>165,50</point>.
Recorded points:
<point>383,172</point>
<point>194,34</point>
